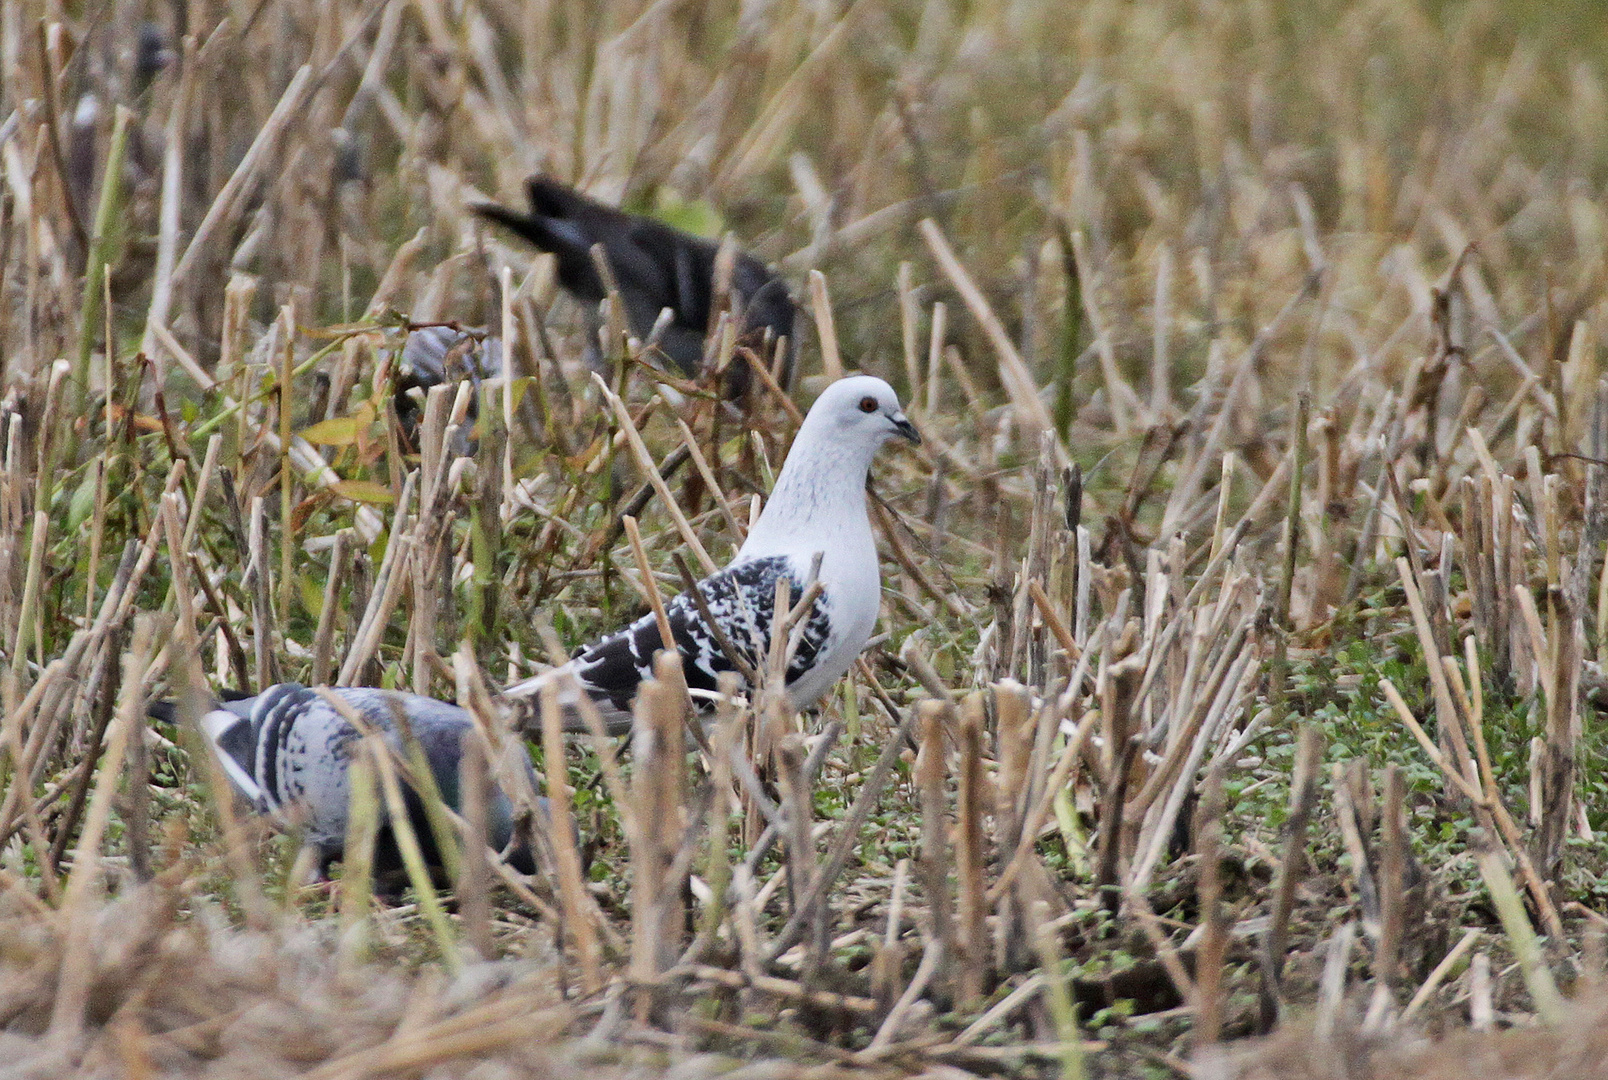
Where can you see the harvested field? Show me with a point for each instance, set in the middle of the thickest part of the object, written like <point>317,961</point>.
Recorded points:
<point>1233,709</point>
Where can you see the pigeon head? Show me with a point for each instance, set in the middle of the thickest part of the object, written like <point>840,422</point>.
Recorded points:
<point>860,408</point>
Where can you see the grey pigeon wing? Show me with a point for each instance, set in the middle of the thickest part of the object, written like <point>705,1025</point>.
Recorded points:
<point>303,758</point>
<point>438,726</point>
<point>433,355</point>
<point>289,750</point>
<point>424,354</point>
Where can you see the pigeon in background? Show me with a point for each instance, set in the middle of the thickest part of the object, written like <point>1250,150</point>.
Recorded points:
<point>656,267</point>
<point>151,56</point>
<point>434,355</point>
<point>288,752</point>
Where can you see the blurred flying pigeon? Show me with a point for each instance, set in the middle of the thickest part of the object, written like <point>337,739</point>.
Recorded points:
<point>288,753</point>
<point>656,267</point>
<point>816,511</point>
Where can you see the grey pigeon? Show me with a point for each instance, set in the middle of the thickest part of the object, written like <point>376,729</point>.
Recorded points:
<point>433,356</point>
<point>288,752</point>
<point>816,510</point>
<point>656,267</point>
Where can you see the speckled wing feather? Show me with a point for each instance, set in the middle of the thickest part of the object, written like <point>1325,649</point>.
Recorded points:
<point>741,598</point>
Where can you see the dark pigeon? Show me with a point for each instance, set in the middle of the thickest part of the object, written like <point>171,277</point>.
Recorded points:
<point>151,56</point>
<point>288,752</point>
<point>656,267</point>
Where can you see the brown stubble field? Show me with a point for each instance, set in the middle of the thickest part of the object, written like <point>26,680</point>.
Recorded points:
<point>1245,612</point>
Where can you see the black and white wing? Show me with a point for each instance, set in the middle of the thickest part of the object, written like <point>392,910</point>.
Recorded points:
<point>741,598</point>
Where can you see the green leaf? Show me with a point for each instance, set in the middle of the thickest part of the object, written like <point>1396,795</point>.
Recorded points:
<point>312,597</point>
<point>697,216</point>
<point>336,431</point>
<point>520,386</point>
<point>367,491</point>
<point>83,502</point>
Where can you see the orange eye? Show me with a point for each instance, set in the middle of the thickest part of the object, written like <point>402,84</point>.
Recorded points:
<point>868,404</point>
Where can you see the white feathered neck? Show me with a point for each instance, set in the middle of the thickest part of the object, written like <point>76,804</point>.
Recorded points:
<point>819,498</point>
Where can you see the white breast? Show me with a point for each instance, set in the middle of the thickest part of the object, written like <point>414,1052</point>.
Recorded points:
<point>851,596</point>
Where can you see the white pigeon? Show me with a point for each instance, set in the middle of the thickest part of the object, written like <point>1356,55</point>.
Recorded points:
<point>817,509</point>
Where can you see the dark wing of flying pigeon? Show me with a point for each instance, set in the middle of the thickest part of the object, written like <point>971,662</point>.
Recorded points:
<point>656,267</point>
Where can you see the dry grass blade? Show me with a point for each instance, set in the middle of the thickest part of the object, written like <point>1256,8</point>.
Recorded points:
<point>1018,381</point>
<point>77,910</point>
<point>577,919</point>
<point>1302,798</point>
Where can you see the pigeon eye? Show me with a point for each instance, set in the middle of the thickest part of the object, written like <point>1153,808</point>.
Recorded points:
<point>868,404</point>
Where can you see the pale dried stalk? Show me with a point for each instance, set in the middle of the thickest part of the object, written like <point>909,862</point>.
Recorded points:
<point>1493,815</point>
<point>932,955</point>
<point>324,635</point>
<point>1214,921</point>
<point>690,441</point>
<point>1303,796</point>
<point>386,581</point>
<point>1233,689</point>
<point>1392,881</point>
<point>21,640</point>
<point>969,810</point>
<point>1012,791</point>
<point>825,326</point>
<point>1071,754</point>
<point>285,111</point>
<point>934,865</point>
<point>474,880</point>
<point>170,213</point>
<point>1160,366</point>
<point>1437,674</point>
<point>848,837</point>
<point>561,822</point>
<point>667,638</point>
<point>383,602</point>
<point>287,476</point>
<point>265,671</point>
<point>935,352</point>
<point>909,318</point>
<point>788,759</point>
<point>73,985</point>
<point>656,918</point>
<point>1442,969</point>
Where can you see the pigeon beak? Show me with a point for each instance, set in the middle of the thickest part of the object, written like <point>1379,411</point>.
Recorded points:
<point>903,426</point>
